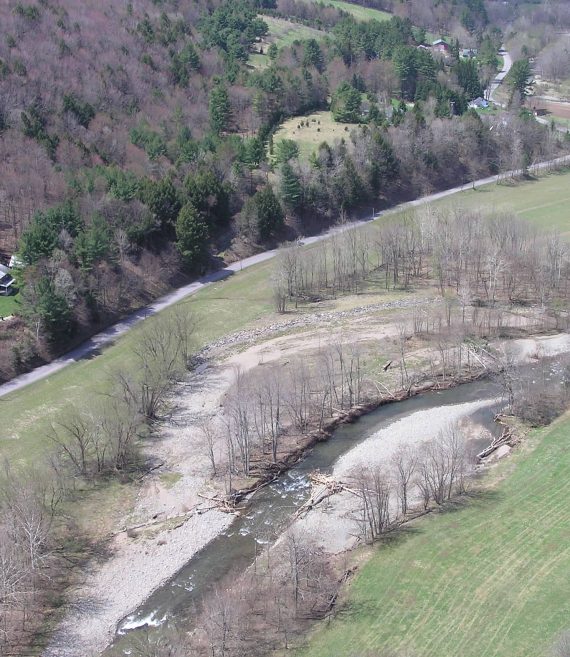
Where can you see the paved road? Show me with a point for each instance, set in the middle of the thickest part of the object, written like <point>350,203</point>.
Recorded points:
<point>498,81</point>
<point>91,347</point>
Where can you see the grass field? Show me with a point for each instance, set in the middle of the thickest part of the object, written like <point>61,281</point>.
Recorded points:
<point>360,13</point>
<point>544,202</point>
<point>322,127</point>
<point>282,33</point>
<point>8,305</point>
<point>489,579</point>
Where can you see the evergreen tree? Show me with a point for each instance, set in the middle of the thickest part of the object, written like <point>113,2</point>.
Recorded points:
<point>42,235</point>
<point>285,150</point>
<point>405,65</point>
<point>468,78</point>
<point>46,311</point>
<point>206,192</point>
<point>93,244</point>
<point>192,237</point>
<point>254,153</point>
<point>290,187</point>
<point>219,108</point>
<point>270,216</point>
<point>384,166</point>
<point>519,78</point>
<point>349,189</point>
<point>183,63</point>
<point>312,55</point>
<point>346,104</point>
<point>161,198</point>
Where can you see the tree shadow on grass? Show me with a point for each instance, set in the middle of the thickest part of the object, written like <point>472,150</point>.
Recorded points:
<point>476,498</point>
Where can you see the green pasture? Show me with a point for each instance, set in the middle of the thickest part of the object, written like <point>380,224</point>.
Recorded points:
<point>544,201</point>
<point>489,577</point>
<point>360,13</point>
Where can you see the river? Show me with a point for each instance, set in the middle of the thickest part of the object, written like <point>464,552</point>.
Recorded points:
<point>268,512</point>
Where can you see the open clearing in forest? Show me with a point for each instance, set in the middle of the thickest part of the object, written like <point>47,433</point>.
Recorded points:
<point>322,127</point>
<point>282,33</point>
<point>487,578</point>
<point>224,307</point>
<point>360,13</point>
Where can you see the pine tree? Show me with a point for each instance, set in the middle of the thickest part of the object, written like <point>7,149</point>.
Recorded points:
<point>313,55</point>
<point>290,187</point>
<point>270,216</point>
<point>468,78</point>
<point>346,103</point>
<point>519,78</point>
<point>219,108</point>
<point>161,198</point>
<point>46,311</point>
<point>209,195</point>
<point>192,236</point>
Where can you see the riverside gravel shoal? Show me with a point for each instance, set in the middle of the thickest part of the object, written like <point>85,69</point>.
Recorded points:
<point>250,336</point>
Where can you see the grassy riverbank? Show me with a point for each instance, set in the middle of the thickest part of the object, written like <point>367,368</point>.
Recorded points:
<point>489,577</point>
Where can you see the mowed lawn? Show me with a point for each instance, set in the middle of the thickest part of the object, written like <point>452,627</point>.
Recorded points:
<point>360,13</point>
<point>9,305</point>
<point>545,202</point>
<point>490,579</point>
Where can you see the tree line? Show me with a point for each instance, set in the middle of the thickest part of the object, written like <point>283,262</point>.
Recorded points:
<point>481,258</point>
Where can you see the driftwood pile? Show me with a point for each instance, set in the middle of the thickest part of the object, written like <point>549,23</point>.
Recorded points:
<point>507,437</point>
<point>219,503</point>
<point>323,488</point>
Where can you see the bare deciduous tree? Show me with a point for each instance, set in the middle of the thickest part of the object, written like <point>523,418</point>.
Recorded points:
<point>404,462</point>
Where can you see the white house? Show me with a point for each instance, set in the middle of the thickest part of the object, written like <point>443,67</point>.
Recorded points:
<point>6,281</point>
<point>479,103</point>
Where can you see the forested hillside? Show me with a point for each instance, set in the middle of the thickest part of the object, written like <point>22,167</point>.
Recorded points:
<point>137,140</point>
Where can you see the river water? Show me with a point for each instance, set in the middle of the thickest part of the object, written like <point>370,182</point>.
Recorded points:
<point>268,512</point>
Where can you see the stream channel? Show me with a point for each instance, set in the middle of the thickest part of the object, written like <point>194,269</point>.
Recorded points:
<point>268,511</point>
